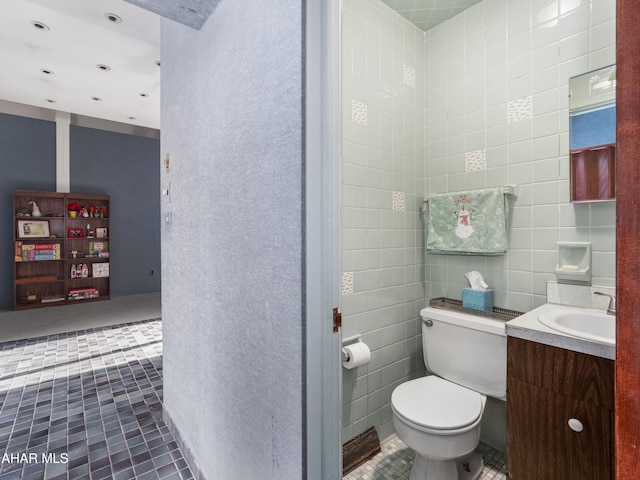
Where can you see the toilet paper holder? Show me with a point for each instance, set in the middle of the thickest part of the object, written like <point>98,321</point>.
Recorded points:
<point>355,354</point>
<point>349,341</point>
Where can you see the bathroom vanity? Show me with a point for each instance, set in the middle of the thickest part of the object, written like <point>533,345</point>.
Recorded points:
<point>559,403</point>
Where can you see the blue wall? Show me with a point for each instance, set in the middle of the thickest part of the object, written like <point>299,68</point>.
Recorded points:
<point>126,167</point>
<point>27,162</point>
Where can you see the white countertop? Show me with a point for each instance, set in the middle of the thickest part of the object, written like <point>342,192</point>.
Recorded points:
<point>527,327</point>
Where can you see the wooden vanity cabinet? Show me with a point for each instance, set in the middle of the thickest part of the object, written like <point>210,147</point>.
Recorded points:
<point>546,387</point>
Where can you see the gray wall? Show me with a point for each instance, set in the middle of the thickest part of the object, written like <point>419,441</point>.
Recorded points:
<point>27,162</point>
<point>127,168</point>
<point>232,257</point>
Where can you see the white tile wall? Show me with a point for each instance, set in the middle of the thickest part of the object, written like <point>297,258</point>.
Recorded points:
<point>531,48</point>
<point>382,189</point>
<point>494,80</point>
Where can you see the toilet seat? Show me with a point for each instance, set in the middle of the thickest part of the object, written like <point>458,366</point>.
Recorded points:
<point>433,403</point>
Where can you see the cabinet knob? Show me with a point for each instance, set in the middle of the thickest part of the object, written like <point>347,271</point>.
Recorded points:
<point>575,425</point>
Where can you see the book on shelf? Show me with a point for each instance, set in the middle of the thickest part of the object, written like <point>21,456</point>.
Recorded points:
<point>45,255</point>
<point>47,246</point>
<point>75,291</point>
<point>83,293</point>
<point>35,252</point>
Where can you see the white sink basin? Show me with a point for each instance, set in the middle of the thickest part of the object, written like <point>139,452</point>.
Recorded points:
<point>589,324</point>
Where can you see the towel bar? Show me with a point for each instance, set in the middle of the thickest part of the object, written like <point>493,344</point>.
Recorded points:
<point>510,190</point>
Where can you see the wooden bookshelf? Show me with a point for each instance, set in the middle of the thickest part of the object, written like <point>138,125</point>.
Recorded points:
<point>59,259</point>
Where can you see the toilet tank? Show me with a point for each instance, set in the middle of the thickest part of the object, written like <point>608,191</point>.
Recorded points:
<point>466,349</point>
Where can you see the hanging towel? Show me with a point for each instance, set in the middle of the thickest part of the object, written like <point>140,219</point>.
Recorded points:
<point>467,223</point>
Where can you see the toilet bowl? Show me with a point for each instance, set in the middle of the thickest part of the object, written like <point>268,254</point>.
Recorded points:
<point>441,422</point>
<point>440,416</point>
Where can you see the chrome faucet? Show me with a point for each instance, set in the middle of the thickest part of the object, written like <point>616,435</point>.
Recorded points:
<point>612,302</point>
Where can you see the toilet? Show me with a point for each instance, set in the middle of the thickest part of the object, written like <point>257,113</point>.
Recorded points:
<point>440,416</point>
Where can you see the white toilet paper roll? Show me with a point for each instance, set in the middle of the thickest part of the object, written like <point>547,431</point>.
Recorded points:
<point>357,354</point>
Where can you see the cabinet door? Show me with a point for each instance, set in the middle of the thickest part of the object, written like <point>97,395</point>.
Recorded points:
<point>542,446</point>
<point>568,373</point>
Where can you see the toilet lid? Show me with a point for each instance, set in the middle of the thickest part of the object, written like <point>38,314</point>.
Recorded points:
<point>436,403</point>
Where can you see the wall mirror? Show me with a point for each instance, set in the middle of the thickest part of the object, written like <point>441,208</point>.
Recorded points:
<point>592,135</point>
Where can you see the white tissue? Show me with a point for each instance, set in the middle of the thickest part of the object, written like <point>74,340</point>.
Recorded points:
<point>476,281</point>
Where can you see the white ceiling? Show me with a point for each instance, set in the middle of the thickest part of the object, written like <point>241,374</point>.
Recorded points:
<point>81,37</point>
<point>426,14</point>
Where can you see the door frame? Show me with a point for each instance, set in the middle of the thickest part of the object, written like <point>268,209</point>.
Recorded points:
<point>324,460</point>
<point>322,94</point>
<point>627,376</point>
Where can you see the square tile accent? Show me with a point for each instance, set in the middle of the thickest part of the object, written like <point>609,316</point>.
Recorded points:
<point>396,459</point>
<point>86,405</point>
<point>359,112</point>
<point>398,201</point>
<point>409,76</point>
<point>476,160</point>
<point>519,109</point>
<point>347,283</point>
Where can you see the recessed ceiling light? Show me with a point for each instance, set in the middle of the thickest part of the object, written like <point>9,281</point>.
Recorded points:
<point>39,25</point>
<point>50,100</point>
<point>145,95</point>
<point>46,71</point>
<point>97,99</point>
<point>131,118</point>
<point>104,68</point>
<point>112,17</point>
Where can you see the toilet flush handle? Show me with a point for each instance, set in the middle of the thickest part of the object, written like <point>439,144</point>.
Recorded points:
<point>428,322</point>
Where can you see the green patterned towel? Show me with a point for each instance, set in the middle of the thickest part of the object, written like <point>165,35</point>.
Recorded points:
<point>468,223</point>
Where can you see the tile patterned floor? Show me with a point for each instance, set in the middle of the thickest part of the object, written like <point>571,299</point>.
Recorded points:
<point>396,459</point>
<point>86,406</point>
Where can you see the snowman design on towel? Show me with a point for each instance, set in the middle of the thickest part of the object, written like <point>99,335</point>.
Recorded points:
<point>464,228</point>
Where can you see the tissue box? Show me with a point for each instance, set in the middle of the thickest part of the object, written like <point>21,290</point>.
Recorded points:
<point>477,299</point>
